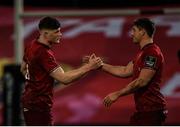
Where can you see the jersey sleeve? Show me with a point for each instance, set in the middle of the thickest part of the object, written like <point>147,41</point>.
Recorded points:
<point>48,61</point>
<point>151,60</point>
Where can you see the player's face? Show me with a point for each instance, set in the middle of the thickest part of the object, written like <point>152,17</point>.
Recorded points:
<point>54,36</point>
<point>136,34</point>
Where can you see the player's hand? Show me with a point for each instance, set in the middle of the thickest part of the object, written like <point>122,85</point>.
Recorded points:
<point>109,99</point>
<point>95,62</point>
<point>85,59</point>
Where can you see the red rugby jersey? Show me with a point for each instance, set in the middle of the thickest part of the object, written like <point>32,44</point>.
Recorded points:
<point>39,84</point>
<point>149,98</point>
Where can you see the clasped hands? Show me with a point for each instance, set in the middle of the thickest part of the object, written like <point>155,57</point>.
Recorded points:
<point>94,61</point>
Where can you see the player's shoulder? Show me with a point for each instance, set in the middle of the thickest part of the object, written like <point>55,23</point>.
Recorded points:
<point>45,51</point>
<point>153,49</point>
<point>41,48</point>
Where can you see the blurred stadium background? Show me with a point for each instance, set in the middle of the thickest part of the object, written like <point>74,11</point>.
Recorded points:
<point>88,26</point>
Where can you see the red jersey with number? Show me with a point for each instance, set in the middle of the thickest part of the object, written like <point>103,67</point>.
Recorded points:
<point>149,98</point>
<point>39,84</point>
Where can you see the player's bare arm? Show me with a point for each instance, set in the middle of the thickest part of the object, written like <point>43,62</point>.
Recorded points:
<point>120,71</point>
<point>70,76</point>
<point>144,78</point>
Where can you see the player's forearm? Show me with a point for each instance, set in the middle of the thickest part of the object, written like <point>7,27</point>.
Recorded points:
<point>119,71</point>
<point>73,75</point>
<point>132,87</point>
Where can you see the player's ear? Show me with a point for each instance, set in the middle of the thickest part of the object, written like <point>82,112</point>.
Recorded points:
<point>143,32</point>
<point>45,32</point>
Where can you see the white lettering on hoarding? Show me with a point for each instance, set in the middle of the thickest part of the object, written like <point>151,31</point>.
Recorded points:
<point>110,27</point>
<point>172,22</point>
<point>169,89</point>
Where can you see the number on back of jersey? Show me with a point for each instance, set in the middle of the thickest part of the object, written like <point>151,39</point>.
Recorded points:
<point>27,75</point>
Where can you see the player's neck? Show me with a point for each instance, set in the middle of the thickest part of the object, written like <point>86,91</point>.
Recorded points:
<point>145,42</point>
<point>43,41</point>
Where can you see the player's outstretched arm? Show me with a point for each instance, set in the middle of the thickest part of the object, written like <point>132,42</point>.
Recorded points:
<point>120,71</point>
<point>70,76</point>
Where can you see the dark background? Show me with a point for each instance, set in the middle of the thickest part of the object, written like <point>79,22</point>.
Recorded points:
<point>94,3</point>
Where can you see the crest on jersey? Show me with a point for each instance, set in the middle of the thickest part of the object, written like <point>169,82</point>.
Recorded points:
<point>150,61</point>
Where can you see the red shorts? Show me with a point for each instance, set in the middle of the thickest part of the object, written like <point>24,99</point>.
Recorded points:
<point>149,118</point>
<point>37,118</point>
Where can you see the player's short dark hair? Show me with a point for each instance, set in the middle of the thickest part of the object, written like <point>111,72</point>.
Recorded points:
<point>146,24</point>
<point>49,23</point>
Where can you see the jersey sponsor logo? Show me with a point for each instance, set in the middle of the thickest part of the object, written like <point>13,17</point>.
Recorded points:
<point>27,75</point>
<point>150,61</point>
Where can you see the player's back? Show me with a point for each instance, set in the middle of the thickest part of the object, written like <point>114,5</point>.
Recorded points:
<point>39,84</point>
<point>35,53</point>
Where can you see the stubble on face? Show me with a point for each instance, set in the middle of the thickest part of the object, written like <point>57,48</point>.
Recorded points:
<point>135,35</point>
<point>55,36</point>
<point>135,40</point>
